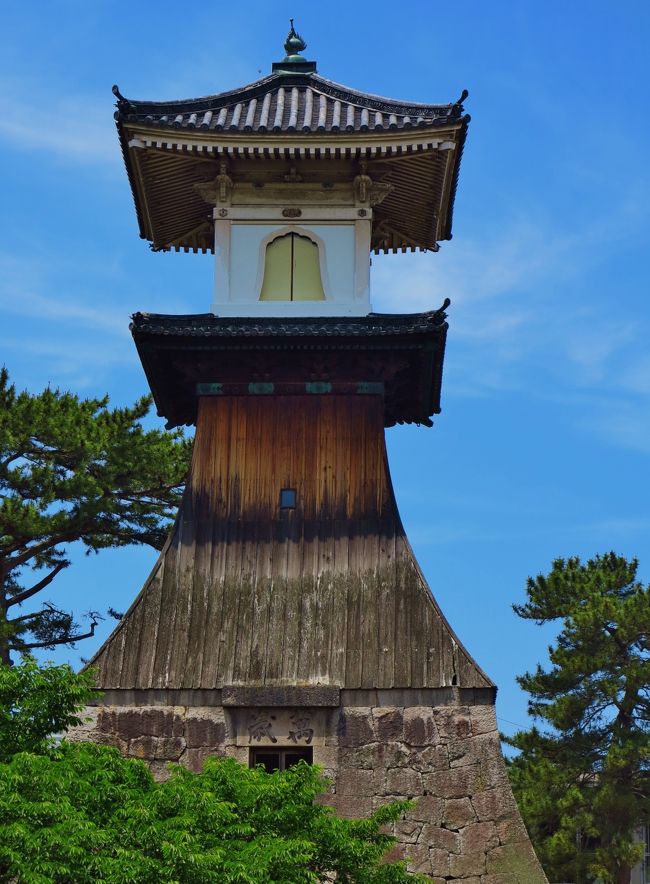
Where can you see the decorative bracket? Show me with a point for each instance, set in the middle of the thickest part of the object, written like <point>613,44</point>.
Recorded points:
<point>367,191</point>
<point>218,191</point>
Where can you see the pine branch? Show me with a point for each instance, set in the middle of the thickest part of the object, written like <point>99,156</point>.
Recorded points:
<point>62,640</point>
<point>37,587</point>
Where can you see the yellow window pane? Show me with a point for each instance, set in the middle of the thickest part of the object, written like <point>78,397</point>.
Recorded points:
<point>292,270</point>
<point>277,270</point>
<point>307,282</point>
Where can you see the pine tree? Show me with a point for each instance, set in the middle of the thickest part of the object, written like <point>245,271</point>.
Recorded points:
<point>74,470</point>
<point>583,782</point>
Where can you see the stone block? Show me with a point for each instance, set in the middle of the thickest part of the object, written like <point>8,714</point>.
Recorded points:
<point>106,721</point>
<point>204,732</point>
<point>355,782</point>
<point>348,806</point>
<point>479,837</point>
<point>516,860</point>
<point>497,879</point>
<point>463,752</point>
<point>440,838</point>
<point>457,783</point>
<point>194,758</point>
<point>362,756</point>
<point>355,727</point>
<point>463,865</point>
<point>160,770</point>
<point>439,862</point>
<point>142,747</point>
<point>403,781</point>
<point>428,809</point>
<point>457,812</point>
<point>408,831</point>
<point>239,753</point>
<point>494,804</point>
<point>157,748</point>
<point>483,719</point>
<point>420,726</point>
<point>483,749</point>
<point>511,830</point>
<point>418,858</point>
<point>142,721</point>
<point>111,739</point>
<point>389,755</point>
<point>389,724</point>
<point>429,758</point>
<point>327,757</point>
<point>452,722</point>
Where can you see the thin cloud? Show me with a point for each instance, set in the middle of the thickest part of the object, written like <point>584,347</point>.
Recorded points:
<point>515,328</point>
<point>23,282</point>
<point>38,307</point>
<point>622,423</point>
<point>73,128</point>
<point>78,362</point>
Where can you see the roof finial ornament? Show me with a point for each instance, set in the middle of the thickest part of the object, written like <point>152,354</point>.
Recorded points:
<point>294,62</point>
<point>294,45</point>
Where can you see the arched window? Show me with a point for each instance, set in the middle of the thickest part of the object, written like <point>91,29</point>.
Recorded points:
<point>292,270</point>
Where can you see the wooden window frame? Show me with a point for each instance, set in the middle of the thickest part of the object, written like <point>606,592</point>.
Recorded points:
<point>305,753</point>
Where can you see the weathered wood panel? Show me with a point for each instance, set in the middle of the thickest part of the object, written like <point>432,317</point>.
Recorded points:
<point>326,593</point>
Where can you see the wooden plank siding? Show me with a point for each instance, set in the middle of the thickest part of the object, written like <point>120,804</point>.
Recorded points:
<point>327,593</point>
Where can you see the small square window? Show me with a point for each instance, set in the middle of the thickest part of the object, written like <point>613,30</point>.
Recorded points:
<point>288,497</point>
<point>280,759</point>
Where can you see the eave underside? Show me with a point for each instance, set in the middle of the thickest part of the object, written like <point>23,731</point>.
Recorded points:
<point>415,215</point>
<point>403,354</point>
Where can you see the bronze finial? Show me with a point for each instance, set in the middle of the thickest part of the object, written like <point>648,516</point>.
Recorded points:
<point>294,45</point>
<point>293,62</point>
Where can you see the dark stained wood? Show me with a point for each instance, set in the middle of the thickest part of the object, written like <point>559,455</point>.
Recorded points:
<point>248,594</point>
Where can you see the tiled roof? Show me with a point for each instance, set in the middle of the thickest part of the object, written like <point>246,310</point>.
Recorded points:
<point>296,103</point>
<point>209,325</point>
<point>183,354</point>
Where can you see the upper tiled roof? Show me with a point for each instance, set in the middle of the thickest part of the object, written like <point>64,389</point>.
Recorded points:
<point>289,103</point>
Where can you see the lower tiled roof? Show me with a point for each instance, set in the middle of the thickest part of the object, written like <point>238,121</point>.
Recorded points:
<point>185,357</point>
<point>209,325</point>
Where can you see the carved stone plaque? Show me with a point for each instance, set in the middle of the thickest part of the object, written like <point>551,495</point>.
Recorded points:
<point>279,726</point>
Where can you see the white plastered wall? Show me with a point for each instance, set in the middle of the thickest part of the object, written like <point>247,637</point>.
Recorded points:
<point>343,239</point>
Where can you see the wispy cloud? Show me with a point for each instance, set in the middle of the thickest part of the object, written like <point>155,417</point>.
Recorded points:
<point>22,293</point>
<point>516,326</point>
<point>73,128</point>
<point>623,422</point>
<point>39,307</point>
<point>67,361</point>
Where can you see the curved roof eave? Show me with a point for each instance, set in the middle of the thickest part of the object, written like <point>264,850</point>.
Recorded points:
<point>127,106</point>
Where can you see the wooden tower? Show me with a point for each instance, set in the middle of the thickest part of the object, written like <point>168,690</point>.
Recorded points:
<point>286,616</point>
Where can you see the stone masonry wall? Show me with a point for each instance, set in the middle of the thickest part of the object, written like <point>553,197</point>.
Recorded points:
<point>465,825</point>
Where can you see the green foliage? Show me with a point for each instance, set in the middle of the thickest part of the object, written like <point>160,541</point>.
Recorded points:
<point>583,783</point>
<point>85,814</point>
<point>77,813</point>
<point>36,702</point>
<point>73,470</point>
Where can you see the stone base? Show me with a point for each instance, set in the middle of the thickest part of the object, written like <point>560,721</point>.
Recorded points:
<point>465,825</point>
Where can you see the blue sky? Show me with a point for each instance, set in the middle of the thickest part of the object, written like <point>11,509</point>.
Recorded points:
<point>543,446</point>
